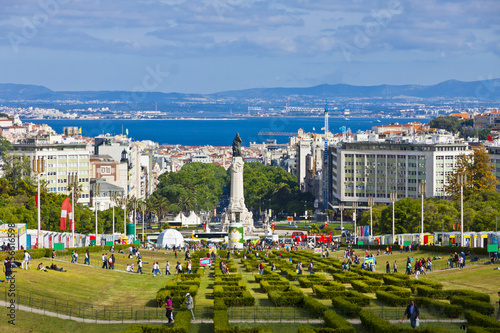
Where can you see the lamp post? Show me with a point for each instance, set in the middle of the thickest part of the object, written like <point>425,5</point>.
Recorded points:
<point>371,202</point>
<point>143,208</point>
<point>341,208</point>
<point>421,191</point>
<point>38,167</point>
<point>394,197</point>
<point>124,202</point>
<point>73,183</point>
<point>114,198</point>
<point>96,189</point>
<point>462,181</point>
<point>355,206</point>
<point>135,205</point>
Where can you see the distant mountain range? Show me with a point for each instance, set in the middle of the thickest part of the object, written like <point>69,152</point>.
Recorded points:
<point>482,90</point>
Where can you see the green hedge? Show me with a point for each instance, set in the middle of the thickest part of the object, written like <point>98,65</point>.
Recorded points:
<point>346,308</point>
<point>469,293</point>
<point>19,255</point>
<point>362,287</point>
<point>291,296</point>
<point>395,281</point>
<point>399,291</point>
<point>221,321</point>
<point>427,283</point>
<point>392,299</point>
<point>448,310</point>
<point>375,324</point>
<point>346,277</point>
<point>424,291</point>
<point>481,307</point>
<point>477,319</point>
<point>219,304</point>
<point>246,299</point>
<point>453,249</point>
<point>477,329</point>
<point>326,292</point>
<point>315,307</point>
<point>337,322</point>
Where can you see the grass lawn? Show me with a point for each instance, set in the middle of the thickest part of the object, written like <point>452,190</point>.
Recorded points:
<point>32,322</point>
<point>82,284</point>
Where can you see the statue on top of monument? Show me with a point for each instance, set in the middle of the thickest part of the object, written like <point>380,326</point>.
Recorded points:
<point>237,145</point>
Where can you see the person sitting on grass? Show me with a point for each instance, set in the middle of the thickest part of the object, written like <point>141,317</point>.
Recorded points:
<point>41,268</point>
<point>55,268</point>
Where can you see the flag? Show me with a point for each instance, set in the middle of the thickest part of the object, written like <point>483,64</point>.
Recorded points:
<point>36,200</point>
<point>490,138</point>
<point>65,209</point>
<point>80,131</point>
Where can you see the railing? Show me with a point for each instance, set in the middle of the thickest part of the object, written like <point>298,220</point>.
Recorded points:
<point>94,312</point>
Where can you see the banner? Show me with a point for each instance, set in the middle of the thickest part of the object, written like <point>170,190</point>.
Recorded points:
<point>65,210</point>
<point>205,261</point>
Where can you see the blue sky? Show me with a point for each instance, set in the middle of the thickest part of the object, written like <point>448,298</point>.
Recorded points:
<point>204,46</point>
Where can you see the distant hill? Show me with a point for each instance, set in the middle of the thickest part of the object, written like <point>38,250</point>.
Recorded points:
<point>483,90</point>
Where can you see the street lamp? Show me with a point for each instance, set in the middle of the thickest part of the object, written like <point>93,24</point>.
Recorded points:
<point>143,208</point>
<point>355,206</point>
<point>462,181</point>
<point>38,167</point>
<point>73,183</point>
<point>135,205</point>
<point>394,197</point>
<point>341,208</point>
<point>371,202</point>
<point>421,191</point>
<point>124,202</point>
<point>114,198</point>
<point>96,190</point>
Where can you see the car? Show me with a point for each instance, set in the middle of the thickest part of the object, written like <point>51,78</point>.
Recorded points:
<point>293,225</point>
<point>340,228</point>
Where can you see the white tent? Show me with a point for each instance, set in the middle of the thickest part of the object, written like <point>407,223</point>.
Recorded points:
<point>169,238</point>
<point>191,220</point>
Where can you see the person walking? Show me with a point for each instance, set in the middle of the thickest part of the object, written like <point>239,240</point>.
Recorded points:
<point>190,304</point>
<point>411,313</point>
<point>387,267</point>
<point>311,267</point>
<point>189,266</point>
<point>169,308</point>
<point>76,256</point>
<point>87,258</point>
<point>7,269</point>
<point>26,260</point>
<point>105,261</point>
<point>139,266</point>
<point>261,268</point>
<point>167,271</point>
<point>395,266</point>
<point>112,262</point>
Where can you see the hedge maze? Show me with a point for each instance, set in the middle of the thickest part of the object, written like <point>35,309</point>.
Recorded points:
<point>330,293</point>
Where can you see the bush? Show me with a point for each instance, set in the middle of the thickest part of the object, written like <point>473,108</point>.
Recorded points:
<point>449,310</point>
<point>392,299</point>
<point>246,299</point>
<point>346,308</point>
<point>477,329</point>
<point>357,298</point>
<point>395,281</point>
<point>478,319</point>
<point>317,308</point>
<point>399,291</point>
<point>481,307</point>
<point>289,297</point>
<point>333,320</point>
<point>373,323</point>
<point>221,321</point>
<point>469,293</point>
<point>182,321</point>
<point>328,292</point>
<point>19,255</point>
<point>219,304</point>
<point>431,284</point>
<point>362,287</point>
<point>424,291</point>
<point>346,277</point>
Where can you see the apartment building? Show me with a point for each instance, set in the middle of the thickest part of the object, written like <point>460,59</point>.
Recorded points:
<point>368,167</point>
<point>494,152</point>
<point>61,160</point>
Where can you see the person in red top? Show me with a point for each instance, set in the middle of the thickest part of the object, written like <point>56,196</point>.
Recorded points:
<point>169,308</point>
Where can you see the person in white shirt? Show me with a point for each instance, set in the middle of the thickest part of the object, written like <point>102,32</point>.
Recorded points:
<point>167,271</point>
<point>26,260</point>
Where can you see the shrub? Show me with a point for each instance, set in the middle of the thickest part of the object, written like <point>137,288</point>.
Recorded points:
<point>219,304</point>
<point>395,281</point>
<point>182,321</point>
<point>481,307</point>
<point>362,287</point>
<point>333,320</point>
<point>221,321</point>
<point>427,283</point>
<point>346,308</point>
<point>317,308</point>
<point>375,324</point>
<point>245,299</point>
<point>469,293</point>
<point>346,277</point>
<point>391,299</point>
<point>478,319</point>
<point>399,291</point>
<point>357,298</point>
<point>449,310</point>
<point>425,291</point>
<point>325,292</point>
<point>477,329</point>
<point>289,297</point>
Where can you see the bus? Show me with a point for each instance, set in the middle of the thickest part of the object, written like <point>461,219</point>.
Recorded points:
<point>174,224</point>
<point>215,237</point>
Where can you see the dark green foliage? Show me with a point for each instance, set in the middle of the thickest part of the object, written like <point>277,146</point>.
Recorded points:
<point>345,308</point>
<point>291,296</point>
<point>478,319</point>
<point>317,308</point>
<point>481,307</point>
<point>468,293</point>
<point>399,291</point>
<point>391,299</point>
<point>395,281</point>
<point>448,310</point>
<point>340,324</point>
<point>362,287</point>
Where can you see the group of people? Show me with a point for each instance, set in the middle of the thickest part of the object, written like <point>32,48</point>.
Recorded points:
<point>224,269</point>
<point>457,260</point>
<point>108,263</point>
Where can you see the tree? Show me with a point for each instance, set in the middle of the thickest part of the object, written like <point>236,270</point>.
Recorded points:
<point>16,168</point>
<point>5,146</point>
<point>478,170</point>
